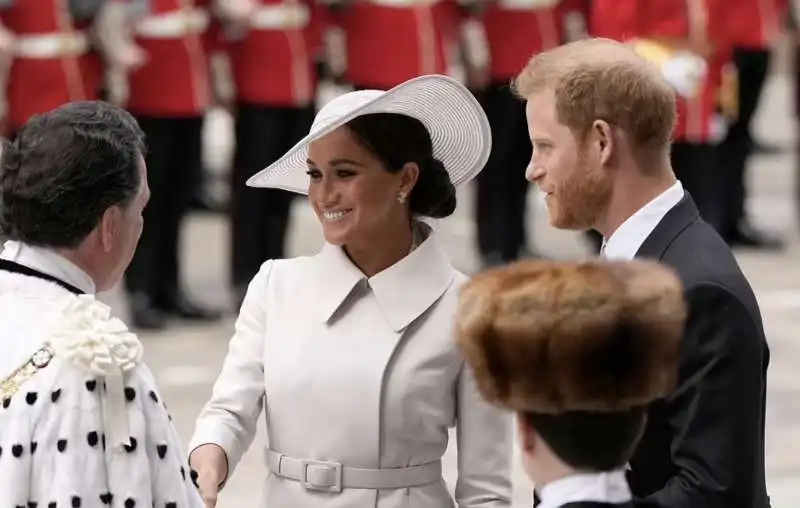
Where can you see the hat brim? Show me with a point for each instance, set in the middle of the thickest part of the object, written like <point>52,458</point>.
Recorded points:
<point>456,122</point>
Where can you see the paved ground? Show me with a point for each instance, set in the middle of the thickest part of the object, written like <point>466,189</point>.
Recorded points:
<point>186,359</point>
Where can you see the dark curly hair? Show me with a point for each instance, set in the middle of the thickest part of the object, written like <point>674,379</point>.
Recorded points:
<point>396,139</point>
<point>65,168</point>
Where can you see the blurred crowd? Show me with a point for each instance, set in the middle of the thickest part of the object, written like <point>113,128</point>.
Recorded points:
<point>170,62</point>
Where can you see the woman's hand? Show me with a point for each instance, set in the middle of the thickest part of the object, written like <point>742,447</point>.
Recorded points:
<point>210,465</point>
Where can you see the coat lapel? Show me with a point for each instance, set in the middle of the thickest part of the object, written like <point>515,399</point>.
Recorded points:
<point>409,288</point>
<point>334,277</point>
<point>675,221</point>
<point>404,291</point>
<point>594,504</point>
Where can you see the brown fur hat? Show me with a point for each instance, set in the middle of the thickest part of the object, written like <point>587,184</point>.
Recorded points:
<point>551,337</point>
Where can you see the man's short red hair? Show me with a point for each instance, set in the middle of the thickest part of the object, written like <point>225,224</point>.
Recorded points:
<point>601,79</point>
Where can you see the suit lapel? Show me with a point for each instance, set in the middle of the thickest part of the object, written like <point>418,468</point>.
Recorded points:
<point>595,504</point>
<point>675,221</point>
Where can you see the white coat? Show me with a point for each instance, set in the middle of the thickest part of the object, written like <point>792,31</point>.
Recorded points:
<point>56,439</point>
<point>358,371</point>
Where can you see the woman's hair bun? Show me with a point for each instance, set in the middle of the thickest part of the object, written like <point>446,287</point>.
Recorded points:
<point>434,194</point>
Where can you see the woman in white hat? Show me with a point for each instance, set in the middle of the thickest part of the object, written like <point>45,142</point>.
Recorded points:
<point>350,353</point>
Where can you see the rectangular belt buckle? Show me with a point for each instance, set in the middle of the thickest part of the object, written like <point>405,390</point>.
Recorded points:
<point>337,470</point>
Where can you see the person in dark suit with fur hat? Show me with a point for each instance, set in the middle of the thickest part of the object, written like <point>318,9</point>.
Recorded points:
<point>578,351</point>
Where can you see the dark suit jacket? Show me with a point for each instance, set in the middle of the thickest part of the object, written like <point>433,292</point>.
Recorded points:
<point>595,504</point>
<point>703,447</point>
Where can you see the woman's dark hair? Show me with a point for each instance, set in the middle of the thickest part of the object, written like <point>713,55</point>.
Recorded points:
<point>398,139</point>
<point>65,169</point>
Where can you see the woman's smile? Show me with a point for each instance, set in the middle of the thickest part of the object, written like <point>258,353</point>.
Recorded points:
<point>334,216</point>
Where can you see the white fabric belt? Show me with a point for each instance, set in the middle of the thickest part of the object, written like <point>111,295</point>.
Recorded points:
<point>281,16</point>
<point>174,24</point>
<point>52,45</point>
<point>403,3</point>
<point>334,477</point>
<point>527,5</point>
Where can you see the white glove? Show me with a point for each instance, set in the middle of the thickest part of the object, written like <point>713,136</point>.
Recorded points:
<point>113,31</point>
<point>686,72</point>
<point>7,39</point>
<point>235,11</point>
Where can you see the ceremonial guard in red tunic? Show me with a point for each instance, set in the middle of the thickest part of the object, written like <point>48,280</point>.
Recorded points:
<point>793,27</point>
<point>386,42</point>
<point>514,30</point>
<point>272,53</point>
<point>693,28</point>
<point>52,53</point>
<point>754,24</point>
<point>169,94</point>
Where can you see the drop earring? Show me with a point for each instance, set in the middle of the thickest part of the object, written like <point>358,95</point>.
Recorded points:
<point>401,198</point>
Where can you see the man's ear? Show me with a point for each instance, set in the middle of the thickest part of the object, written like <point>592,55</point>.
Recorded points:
<point>110,226</point>
<point>601,139</point>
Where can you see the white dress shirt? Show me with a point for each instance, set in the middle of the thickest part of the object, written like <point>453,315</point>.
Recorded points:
<point>629,237</point>
<point>49,262</point>
<point>610,487</point>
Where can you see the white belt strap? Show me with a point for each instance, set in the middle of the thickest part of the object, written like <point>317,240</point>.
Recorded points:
<point>527,5</point>
<point>334,477</point>
<point>173,24</point>
<point>52,45</point>
<point>281,17</point>
<point>404,3</point>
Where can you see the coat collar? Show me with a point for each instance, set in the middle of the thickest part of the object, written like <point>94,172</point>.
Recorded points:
<point>404,291</point>
<point>673,223</point>
<point>607,487</point>
<point>48,262</point>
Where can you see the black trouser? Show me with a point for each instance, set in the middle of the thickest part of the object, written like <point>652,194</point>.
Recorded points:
<point>797,117</point>
<point>753,67</point>
<point>196,180</point>
<point>697,167</point>
<point>502,189</point>
<point>260,217</point>
<point>173,156</point>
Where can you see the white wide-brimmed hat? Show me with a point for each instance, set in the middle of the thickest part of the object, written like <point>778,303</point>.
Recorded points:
<point>458,127</point>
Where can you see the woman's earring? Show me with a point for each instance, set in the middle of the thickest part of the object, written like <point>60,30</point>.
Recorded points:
<point>401,198</point>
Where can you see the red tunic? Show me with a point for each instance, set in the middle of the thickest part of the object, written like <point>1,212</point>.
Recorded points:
<point>174,81</point>
<point>517,30</point>
<point>273,62</point>
<point>39,84</point>
<point>624,20</point>
<point>391,41</point>
<point>754,24</point>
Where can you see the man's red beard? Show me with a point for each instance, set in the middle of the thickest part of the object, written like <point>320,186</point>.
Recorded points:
<point>580,198</point>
